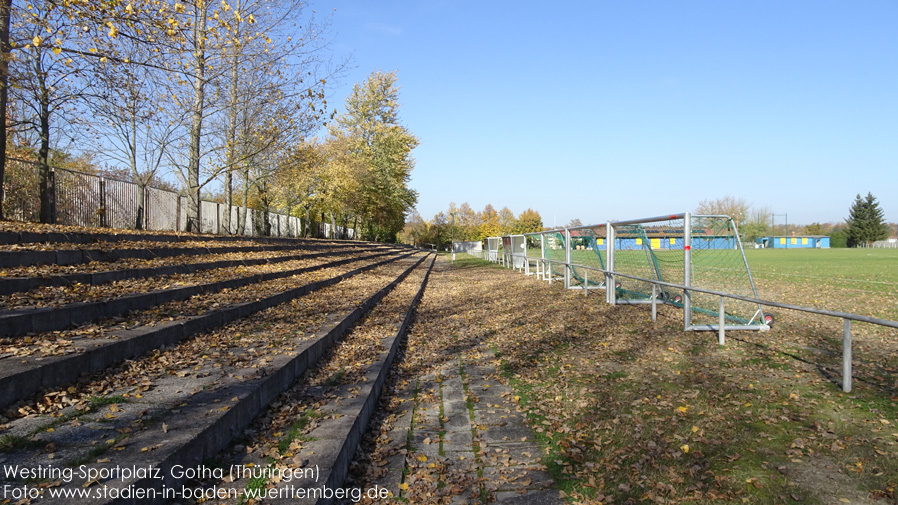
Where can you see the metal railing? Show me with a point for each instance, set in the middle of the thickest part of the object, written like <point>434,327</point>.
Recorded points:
<point>545,266</point>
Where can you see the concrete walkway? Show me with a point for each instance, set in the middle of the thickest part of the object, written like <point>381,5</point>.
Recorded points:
<point>466,441</point>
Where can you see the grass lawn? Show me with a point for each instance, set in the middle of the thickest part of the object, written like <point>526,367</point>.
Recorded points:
<point>630,411</point>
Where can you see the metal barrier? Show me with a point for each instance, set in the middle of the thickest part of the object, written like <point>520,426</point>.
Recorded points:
<point>847,318</point>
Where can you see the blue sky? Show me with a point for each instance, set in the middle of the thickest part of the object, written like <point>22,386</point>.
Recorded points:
<point>617,110</point>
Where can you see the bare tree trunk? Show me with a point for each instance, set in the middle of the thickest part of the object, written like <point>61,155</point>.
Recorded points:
<point>231,138</point>
<point>5,7</point>
<point>196,126</point>
<point>46,183</point>
<point>246,197</point>
<point>135,174</point>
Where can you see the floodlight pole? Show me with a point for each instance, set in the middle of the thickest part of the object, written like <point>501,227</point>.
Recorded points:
<point>785,228</point>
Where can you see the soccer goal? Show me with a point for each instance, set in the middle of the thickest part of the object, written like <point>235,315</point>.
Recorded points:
<point>554,254</point>
<point>515,247</point>
<point>587,256</point>
<point>492,249</point>
<point>690,250</point>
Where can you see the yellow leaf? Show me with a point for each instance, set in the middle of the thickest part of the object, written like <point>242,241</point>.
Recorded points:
<point>682,409</point>
<point>684,448</point>
<point>36,41</point>
<point>694,429</point>
<point>57,50</point>
<point>422,458</point>
<point>404,486</point>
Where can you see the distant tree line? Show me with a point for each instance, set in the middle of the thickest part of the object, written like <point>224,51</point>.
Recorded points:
<point>865,224</point>
<point>462,223</point>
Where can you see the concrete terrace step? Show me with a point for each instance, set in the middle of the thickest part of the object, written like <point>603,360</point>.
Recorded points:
<point>8,237</point>
<point>171,429</point>
<point>29,257</point>
<point>22,378</point>
<point>333,443</point>
<point>10,285</point>
<point>18,322</point>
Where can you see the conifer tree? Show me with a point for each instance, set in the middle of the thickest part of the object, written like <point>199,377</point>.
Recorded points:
<point>866,222</point>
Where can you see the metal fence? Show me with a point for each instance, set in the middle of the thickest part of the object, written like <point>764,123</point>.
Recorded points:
<point>90,200</point>
<point>549,269</point>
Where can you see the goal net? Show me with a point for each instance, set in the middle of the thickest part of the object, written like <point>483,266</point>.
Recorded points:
<point>588,256</point>
<point>691,250</point>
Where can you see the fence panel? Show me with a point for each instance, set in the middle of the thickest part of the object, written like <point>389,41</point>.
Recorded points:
<point>79,199</point>
<point>208,217</point>
<point>162,210</point>
<point>93,201</point>
<point>20,191</point>
<point>122,200</point>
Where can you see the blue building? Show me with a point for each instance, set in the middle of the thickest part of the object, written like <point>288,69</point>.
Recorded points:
<point>801,242</point>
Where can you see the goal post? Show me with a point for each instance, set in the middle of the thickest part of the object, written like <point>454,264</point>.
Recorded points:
<point>702,251</point>
<point>492,249</point>
<point>516,250</point>
<point>587,248</point>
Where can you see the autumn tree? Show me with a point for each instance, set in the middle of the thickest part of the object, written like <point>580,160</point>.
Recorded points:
<point>126,114</point>
<point>489,223</point>
<point>814,229</point>
<point>529,221</point>
<point>5,11</point>
<point>866,222</point>
<point>382,146</point>
<point>737,208</point>
<point>276,67</point>
<point>45,83</point>
<point>508,223</point>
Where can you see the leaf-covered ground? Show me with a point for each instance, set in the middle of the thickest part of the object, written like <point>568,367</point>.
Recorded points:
<point>631,411</point>
<point>72,341</point>
<point>116,400</point>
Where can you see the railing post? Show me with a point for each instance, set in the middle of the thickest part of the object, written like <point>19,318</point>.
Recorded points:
<point>51,195</point>
<point>586,282</point>
<point>101,210</point>
<point>687,270</point>
<point>610,283</point>
<point>654,302</point>
<point>567,258</point>
<point>846,355</point>
<point>721,338</point>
